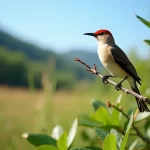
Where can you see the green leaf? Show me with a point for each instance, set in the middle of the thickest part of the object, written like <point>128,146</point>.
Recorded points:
<point>62,142</point>
<point>118,137</point>
<point>57,132</point>
<point>80,149</point>
<point>116,116</point>
<point>147,125</point>
<point>40,139</point>
<point>86,120</point>
<point>124,142</point>
<point>101,133</point>
<point>97,104</point>
<point>147,42</point>
<point>147,128</point>
<point>93,148</point>
<point>46,147</point>
<point>110,142</point>
<point>85,135</point>
<point>88,134</point>
<point>142,116</point>
<point>132,146</point>
<point>72,132</point>
<point>109,127</point>
<point>125,125</point>
<point>148,133</point>
<point>102,115</point>
<point>147,23</point>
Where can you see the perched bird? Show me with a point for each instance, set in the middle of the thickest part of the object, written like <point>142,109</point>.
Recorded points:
<point>117,63</point>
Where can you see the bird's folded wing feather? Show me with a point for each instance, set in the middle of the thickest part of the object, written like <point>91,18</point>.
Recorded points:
<point>122,60</point>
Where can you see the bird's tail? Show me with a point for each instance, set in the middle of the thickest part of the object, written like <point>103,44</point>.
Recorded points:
<point>141,105</point>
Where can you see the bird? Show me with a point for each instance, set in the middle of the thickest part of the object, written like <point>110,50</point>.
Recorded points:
<point>117,63</point>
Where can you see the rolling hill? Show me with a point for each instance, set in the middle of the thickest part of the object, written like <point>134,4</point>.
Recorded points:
<point>34,53</point>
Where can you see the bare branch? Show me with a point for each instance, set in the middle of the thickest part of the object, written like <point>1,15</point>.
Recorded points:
<point>127,91</point>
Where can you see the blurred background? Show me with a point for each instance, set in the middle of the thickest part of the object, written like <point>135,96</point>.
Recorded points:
<point>40,84</point>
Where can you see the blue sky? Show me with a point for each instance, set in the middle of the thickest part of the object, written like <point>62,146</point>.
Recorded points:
<point>60,24</point>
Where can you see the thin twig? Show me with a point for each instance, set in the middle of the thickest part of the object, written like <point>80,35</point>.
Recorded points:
<point>117,108</point>
<point>133,125</point>
<point>127,91</point>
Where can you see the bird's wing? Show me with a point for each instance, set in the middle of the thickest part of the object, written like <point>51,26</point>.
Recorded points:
<point>122,60</point>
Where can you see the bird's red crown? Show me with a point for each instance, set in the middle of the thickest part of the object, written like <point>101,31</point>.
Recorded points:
<point>104,31</point>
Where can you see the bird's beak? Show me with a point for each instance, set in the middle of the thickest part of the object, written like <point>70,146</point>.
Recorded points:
<point>90,34</point>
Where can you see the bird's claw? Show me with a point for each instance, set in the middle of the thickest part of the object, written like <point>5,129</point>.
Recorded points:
<point>118,86</point>
<point>104,79</point>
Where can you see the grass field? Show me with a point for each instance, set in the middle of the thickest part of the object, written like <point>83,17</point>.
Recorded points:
<point>22,110</point>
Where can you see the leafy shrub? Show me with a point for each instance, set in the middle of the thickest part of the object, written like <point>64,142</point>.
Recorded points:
<point>107,122</point>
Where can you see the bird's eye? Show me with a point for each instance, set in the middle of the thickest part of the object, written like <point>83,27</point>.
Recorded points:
<point>102,33</point>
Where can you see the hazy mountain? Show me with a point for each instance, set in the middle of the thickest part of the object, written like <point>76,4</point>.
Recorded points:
<point>37,54</point>
<point>88,57</point>
<point>30,50</point>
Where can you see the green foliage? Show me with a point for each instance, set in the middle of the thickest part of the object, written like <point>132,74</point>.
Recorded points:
<point>116,116</point>
<point>147,42</point>
<point>40,139</point>
<point>132,146</point>
<point>94,148</point>
<point>46,147</point>
<point>88,121</point>
<point>147,128</point>
<point>119,137</point>
<point>124,142</point>
<point>111,134</point>
<point>80,149</point>
<point>142,116</point>
<point>62,142</point>
<point>110,142</point>
<point>101,133</point>
<point>102,115</point>
<point>147,23</point>
<point>97,104</point>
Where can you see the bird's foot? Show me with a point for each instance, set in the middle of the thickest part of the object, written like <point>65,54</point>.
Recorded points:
<point>118,86</point>
<point>105,77</point>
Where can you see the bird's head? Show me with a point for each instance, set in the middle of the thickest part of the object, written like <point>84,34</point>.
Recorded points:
<point>102,36</point>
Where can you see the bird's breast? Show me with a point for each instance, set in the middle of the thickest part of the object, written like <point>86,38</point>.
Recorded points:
<point>107,60</point>
<point>104,55</point>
